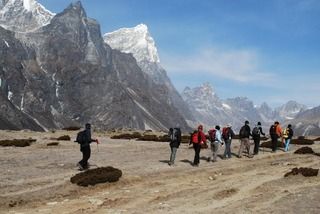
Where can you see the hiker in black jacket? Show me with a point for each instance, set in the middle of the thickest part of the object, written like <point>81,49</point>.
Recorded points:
<point>256,131</point>
<point>244,135</point>
<point>85,147</point>
<point>175,140</point>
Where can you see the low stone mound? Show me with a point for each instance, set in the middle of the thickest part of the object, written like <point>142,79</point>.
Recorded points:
<point>95,176</point>
<point>64,138</point>
<point>17,142</point>
<point>53,144</point>
<point>304,150</point>
<point>307,172</point>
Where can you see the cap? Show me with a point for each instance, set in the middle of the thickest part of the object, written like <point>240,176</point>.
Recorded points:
<point>259,123</point>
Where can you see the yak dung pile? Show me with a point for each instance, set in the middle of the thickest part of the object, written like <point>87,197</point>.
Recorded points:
<point>64,137</point>
<point>306,172</point>
<point>53,144</point>
<point>304,150</point>
<point>127,136</point>
<point>17,142</point>
<point>268,144</point>
<point>317,139</point>
<point>302,141</point>
<point>95,176</point>
<point>71,128</point>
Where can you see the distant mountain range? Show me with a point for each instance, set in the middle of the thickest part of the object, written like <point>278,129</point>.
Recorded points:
<point>58,70</point>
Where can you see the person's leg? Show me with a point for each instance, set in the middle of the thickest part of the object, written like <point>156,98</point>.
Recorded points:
<point>247,144</point>
<point>197,148</point>
<point>256,146</point>
<point>86,156</point>
<point>274,143</point>
<point>241,148</point>
<point>173,155</point>
<point>228,146</point>
<point>215,151</point>
<point>287,142</point>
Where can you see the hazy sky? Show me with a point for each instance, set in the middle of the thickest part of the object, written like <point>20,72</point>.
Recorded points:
<point>266,50</point>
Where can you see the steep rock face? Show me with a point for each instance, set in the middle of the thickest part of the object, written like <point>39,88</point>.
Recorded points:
<point>14,61</point>
<point>210,110</point>
<point>74,78</point>
<point>138,42</point>
<point>23,15</point>
<point>307,122</point>
<point>289,110</point>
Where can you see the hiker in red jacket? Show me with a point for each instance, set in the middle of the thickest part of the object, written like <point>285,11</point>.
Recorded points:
<point>198,138</point>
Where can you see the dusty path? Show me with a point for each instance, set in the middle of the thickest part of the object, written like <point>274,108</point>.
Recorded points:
<point>35,179</point>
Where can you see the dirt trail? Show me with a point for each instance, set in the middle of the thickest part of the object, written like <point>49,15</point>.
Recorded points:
<point>35,179</point>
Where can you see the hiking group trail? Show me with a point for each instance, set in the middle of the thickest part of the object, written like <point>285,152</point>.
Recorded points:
<point>36,179</point>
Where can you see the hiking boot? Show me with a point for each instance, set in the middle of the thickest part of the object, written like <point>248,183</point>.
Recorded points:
<point>208,159</point>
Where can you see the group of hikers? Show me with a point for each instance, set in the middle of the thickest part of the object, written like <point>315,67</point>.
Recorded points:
<point>217,137</point>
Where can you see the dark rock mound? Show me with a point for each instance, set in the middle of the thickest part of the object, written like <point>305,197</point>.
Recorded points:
<point>307,172</point>
<point>95,176</point>
<point>17,142</point>
<point>304,150</point>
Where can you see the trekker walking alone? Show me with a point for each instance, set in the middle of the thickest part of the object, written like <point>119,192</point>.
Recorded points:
<point>256,131</point>
<point>244,135</point>
<point>214,145</point>
<point>275,133</point>
<point>175,140</point>
<point>197,139</point>
<point>227,135</point>
<point>84,139</point>
<point>287,135</point>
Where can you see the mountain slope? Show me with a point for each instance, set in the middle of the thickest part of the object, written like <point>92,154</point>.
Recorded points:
<point>138,42</point>
<point>73,77</point>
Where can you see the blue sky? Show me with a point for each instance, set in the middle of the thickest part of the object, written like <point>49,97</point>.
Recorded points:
<point>264,50</point>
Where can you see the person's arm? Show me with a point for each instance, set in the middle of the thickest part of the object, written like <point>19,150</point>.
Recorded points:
<point>262,131</point>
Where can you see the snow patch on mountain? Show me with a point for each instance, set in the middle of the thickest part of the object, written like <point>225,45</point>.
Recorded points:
<point>23,15</point>
<point>136,40</point>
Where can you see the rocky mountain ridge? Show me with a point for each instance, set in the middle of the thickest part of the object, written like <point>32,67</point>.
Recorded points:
<point>72,77</point>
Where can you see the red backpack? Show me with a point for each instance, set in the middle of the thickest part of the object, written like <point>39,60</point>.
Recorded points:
<point>212,135</point>
<point>195,137</point>
<point>225,132</point>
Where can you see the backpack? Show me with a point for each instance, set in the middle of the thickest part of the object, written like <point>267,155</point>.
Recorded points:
<point>285,133</point>
<point>175,135</point>
<point>212,135</point>
<point>272,130</point>
<point>225,133</point>
<point>81,137</point>
<point>243,132</point>
<point>255,132</point>
<point>195,137</point>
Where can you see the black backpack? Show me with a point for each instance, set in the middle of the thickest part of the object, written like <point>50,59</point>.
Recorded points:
<point>243,132</point>
<point>272,130</point>
<point>81,137</point>
<point>175,135</point>
<point>255,132</point>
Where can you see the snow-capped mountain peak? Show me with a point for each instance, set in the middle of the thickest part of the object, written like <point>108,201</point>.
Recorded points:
<point>23,15</point>
<point>136,40</point>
